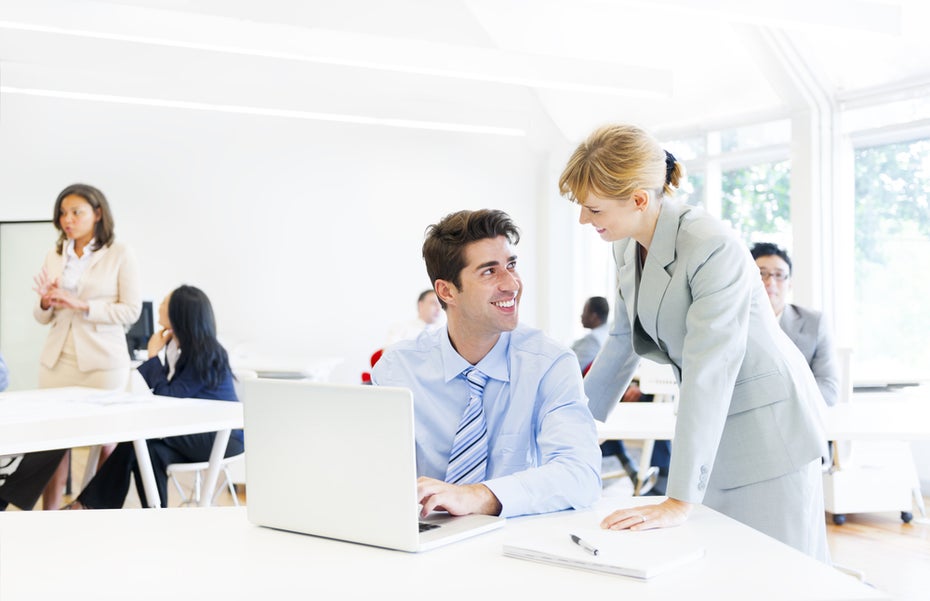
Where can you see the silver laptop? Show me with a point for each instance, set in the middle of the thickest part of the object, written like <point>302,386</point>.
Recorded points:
<point>339,461</point>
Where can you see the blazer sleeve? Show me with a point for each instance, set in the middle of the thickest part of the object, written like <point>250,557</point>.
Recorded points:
<point>126,307</point>
<point>44,316</point>
<point>183,385</point>
<point>823,364</point>
<point>613,368</point>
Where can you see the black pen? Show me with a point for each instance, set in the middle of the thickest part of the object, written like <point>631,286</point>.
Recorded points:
<point>587,547</point>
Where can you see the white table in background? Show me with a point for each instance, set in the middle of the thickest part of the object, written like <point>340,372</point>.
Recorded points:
<point>216,553</point>
<point>903,415</point>
<point>63,418</point>
<point>900,415</point>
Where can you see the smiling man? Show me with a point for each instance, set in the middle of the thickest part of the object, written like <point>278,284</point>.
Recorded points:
<point>502,424</point>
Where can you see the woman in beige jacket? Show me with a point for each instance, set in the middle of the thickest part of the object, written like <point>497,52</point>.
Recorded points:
<point>88,293</point>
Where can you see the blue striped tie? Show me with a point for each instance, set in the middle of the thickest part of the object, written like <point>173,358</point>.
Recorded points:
<point>468,460</point>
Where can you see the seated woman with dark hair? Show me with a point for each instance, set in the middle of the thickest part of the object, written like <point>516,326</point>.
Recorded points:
<point>196,366</point>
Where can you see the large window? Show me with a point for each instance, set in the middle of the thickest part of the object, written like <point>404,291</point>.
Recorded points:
<point>892,243</point>
<point>756,202</point>
<point>743,175</point>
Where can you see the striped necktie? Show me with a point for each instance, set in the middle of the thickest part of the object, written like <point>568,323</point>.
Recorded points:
<point>468,460</point>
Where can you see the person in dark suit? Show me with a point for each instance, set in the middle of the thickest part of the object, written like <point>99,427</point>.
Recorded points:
<point>200,370</point>
<point>805,327</point>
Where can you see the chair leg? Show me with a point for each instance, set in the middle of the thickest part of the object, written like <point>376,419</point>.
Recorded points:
<point>177,486</point>
<point>648,475</point>
<point>228,485</point>
<point>195,499</point>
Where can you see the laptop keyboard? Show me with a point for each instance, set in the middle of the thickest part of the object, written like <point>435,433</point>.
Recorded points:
<point>424,526</point>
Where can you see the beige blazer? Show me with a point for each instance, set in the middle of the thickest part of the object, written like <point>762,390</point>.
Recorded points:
<point>748,403</point>
<point>110,285</point>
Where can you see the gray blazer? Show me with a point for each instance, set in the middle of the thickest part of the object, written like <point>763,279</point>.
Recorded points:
<point>809,332</point>
<point>748,403</point>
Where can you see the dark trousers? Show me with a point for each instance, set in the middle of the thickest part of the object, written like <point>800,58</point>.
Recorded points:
<point>110,485</point>
<point>24,485</point>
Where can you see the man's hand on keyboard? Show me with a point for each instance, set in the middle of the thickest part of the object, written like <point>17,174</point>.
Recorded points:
<point>436,495</point>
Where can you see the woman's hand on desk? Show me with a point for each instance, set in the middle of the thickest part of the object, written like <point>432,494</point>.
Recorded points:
<point>670,512</point>
<point>457,499</point>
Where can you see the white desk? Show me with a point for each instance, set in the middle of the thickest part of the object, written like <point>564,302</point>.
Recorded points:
<point>62,418</point>
<point>216,553</point>
<point>903,415</point>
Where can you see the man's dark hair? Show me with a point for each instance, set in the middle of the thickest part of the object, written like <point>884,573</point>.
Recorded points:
<point>767,249</point>
<point>424,294</point>
<point>444,247</point>
<point>598,305</point>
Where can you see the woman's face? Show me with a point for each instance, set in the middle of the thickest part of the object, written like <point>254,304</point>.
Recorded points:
<point>163,313</point>
<point>77,218</point>
<point>612,219</point>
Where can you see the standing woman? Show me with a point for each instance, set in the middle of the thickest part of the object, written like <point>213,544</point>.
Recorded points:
<point>198,369</point>
<point>89,292</point>
<point>748,439</point>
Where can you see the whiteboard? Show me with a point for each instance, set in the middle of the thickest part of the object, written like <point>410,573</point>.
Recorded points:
<point>23,246</point>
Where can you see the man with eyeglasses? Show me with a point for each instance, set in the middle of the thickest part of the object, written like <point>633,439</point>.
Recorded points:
<point>806,328</point>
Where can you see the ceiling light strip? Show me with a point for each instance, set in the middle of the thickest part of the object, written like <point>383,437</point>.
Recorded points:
<point>268,112</point>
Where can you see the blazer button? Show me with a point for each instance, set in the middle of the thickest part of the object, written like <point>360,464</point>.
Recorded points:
<point>701,485</point>
<point>703,469</point>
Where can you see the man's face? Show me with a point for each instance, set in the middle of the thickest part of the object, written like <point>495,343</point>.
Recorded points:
<point>489,297</point>
<point>429,309</point>
<point>776,275</point>
<point>588,318</point>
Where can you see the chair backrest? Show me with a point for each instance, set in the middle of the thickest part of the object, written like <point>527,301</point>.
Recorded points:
<point>136,383</point>
<point>239,376</point>
<point>844,367</point>
<point>657,379</point>
<point>375,357</point>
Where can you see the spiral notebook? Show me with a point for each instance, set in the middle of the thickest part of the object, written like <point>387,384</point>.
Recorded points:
<point>643,554</point>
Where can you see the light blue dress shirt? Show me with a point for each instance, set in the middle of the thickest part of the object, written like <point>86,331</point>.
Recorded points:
<point>4,375</point>
<point>543,452</point>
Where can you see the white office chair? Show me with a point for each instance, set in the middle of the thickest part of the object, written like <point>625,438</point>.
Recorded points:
<point>229,465</point>
<point>192,497</point>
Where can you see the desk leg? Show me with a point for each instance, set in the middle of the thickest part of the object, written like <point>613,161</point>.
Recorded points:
<point>216,463</point>
<point>91,468</point>
<point>148,475</point>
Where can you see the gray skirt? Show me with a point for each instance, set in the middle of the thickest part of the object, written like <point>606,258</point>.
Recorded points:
<point>788,508</point>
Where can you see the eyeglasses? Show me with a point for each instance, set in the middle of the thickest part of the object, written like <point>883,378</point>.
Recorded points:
<point>780,276</point>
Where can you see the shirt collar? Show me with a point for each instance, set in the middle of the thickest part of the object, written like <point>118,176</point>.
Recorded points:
<point>494,364</point>
<point>88,250</point>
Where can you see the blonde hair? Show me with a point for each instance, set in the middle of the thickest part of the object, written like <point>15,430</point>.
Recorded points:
<point>617,160</point>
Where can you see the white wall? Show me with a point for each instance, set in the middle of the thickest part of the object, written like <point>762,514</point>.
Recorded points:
<point>304,234</point>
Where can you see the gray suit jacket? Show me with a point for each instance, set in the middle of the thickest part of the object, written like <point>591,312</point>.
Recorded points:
<point>748,403</point>
<point>809,332</point>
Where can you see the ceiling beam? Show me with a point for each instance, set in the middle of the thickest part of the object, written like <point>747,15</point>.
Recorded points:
<point>201,33</point>
<point>854,15</point>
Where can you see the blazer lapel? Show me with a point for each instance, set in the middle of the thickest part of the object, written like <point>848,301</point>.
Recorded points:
<point>94,259</point>
<point>655,279</point>
<point>57,267</point>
